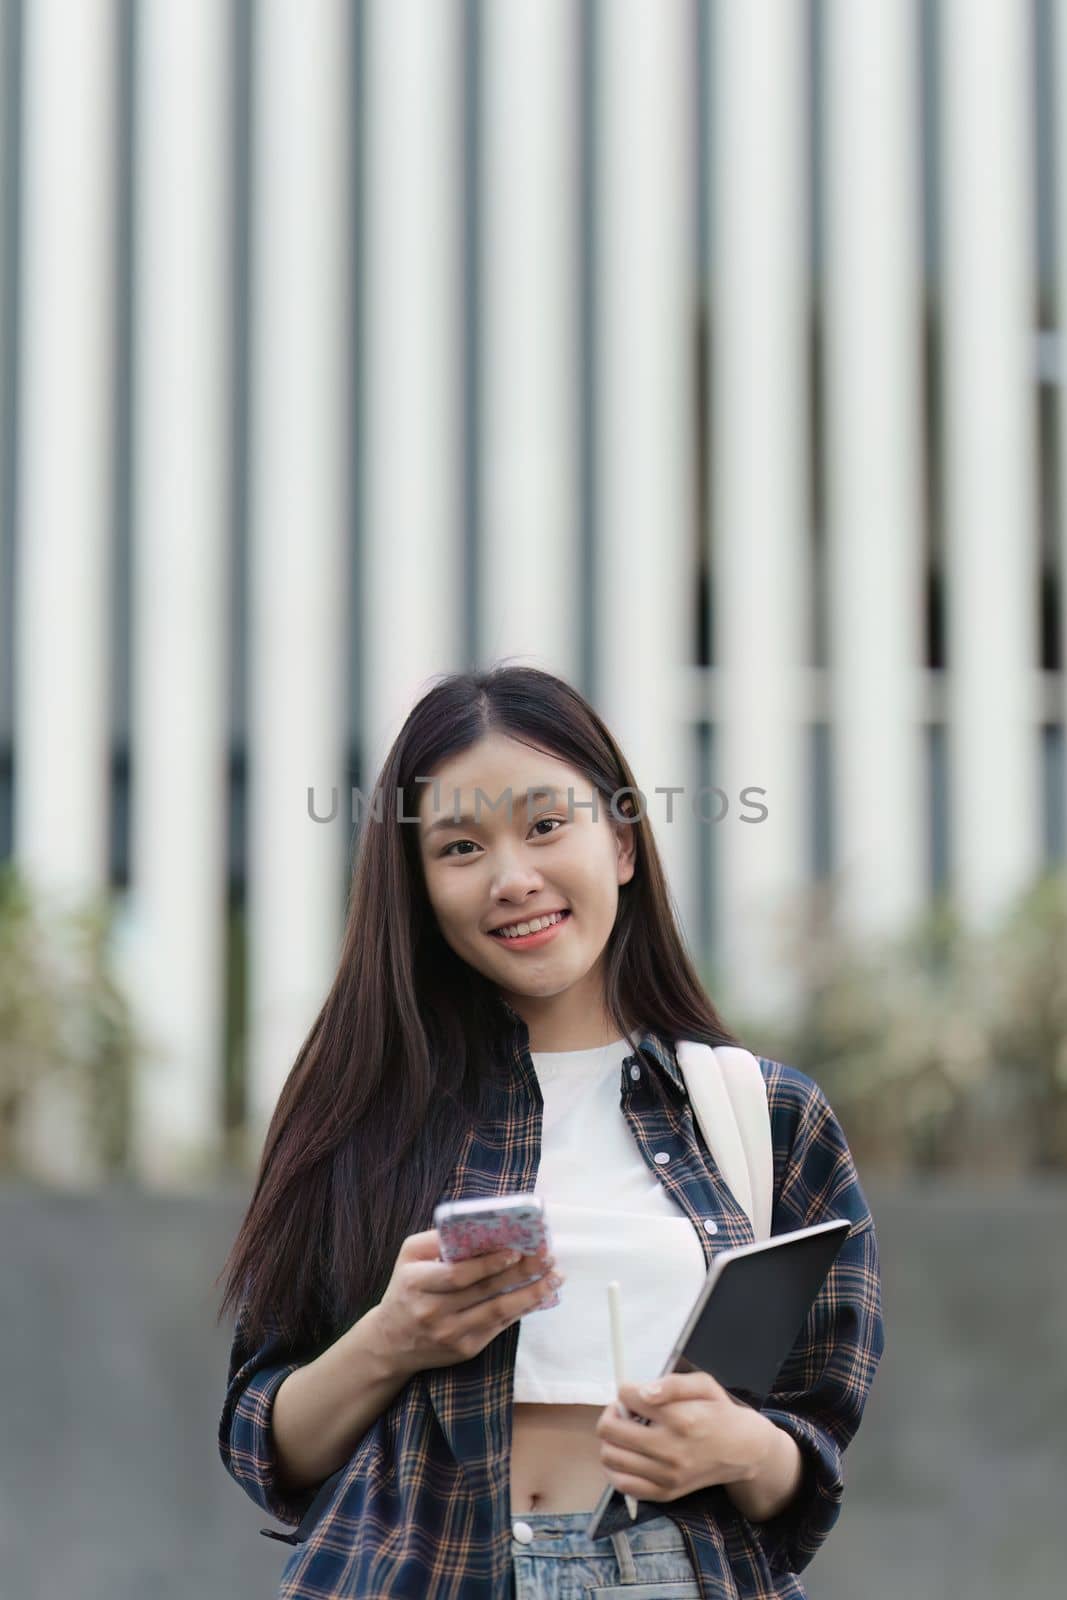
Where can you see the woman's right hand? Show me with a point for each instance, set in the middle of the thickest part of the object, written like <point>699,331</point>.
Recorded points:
<point>435,1313</point>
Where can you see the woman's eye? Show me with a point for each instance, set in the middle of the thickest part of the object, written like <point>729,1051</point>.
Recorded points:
<point>553,822</point>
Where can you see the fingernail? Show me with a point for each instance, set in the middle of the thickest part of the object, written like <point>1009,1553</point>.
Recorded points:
<point>513,1256</point>
<point>648,1390</point>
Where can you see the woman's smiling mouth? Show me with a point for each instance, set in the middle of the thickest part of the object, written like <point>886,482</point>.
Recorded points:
<point>528,941</point>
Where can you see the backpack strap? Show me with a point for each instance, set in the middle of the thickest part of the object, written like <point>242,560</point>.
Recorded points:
<point>729,1099</point>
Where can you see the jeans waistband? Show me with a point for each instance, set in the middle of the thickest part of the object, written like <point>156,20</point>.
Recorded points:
<point>562,1533</point>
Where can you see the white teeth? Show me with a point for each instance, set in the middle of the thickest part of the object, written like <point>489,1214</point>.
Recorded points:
<point>517,929</point>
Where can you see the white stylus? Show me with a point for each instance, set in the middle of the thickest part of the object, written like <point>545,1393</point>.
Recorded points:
<point>616,1350</point>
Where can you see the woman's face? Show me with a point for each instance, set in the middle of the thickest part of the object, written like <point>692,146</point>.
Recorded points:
<point>518,857</point>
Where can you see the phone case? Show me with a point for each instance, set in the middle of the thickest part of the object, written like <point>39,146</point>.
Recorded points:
<point>481,1227</point>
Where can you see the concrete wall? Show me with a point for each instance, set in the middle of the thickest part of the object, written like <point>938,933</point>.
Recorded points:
<point>113,1372</point>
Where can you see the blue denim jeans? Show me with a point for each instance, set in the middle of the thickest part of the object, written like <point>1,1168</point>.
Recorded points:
<point>646,1562</point>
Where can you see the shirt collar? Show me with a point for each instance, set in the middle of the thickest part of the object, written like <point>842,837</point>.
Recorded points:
<point>655,1047</point>
<point>658,1048</point>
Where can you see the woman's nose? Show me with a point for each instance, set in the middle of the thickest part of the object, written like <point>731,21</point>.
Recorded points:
<point>515,884</point>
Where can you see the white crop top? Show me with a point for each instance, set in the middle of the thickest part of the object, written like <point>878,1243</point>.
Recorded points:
<point>608,1217</point>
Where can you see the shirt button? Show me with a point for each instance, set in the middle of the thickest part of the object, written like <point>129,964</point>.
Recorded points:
<point>711,1225</point>
<point>522,1532</point>
<point>661,1158</point>
<point>635,1072</point>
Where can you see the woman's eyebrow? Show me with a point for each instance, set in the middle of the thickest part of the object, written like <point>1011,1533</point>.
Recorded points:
<point>451,822</point>
<point>544,796</point>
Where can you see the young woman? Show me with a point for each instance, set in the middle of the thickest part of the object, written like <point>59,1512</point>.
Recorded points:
<point>431,1436</point>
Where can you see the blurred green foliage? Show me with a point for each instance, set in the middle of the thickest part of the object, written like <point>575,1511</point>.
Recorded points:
<point>942,1049</point>
<point>63,1013</point>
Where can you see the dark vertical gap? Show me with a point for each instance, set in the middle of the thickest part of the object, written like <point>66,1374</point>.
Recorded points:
<point>357,400</point>
<point>703,731</point>
<point>7,777</point>
<point>1045,596</point>
<point>934,619</point>
<point>818,648</point>
<point>1055,777</point>
<point>1050,657</point>
<point>935,596</point>
<point>709,213</point>
<point>242,178</point>
<point>242,43</point>
<point>588,343</point>
<point>1048,399</point>
<point>818,644</point>
<point>702,599</point>
<point>125,443</point>
<point>11,18</point>
<point>1053,578</point>
<point>929,145</point>
<point>704,734</point>
<point>938,807</point>
<point>820,746</point>
<point>471,323</point>
<point>702,634</point>
<point>938,773</point>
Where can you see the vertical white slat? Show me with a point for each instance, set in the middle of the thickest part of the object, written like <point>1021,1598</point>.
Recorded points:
<point>874,459</point>
<point>529,342</point>
<point>6,348</point>
<point>63,516</point>
<point>1059,159</point>
<point>413,394</point>
<point>65,436</point>
<point>645,344</point>
<point>179,677</point>
<point>990,453</point>
<point>298,522</point>
<point>760,486</point>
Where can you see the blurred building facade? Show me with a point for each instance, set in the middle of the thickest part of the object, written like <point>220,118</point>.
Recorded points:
<point>706,353</point>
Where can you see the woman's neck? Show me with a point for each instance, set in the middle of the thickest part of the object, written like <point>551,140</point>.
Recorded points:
<point>550,1034</point>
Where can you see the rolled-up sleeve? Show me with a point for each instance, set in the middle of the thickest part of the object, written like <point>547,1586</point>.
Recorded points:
<point>822,1388</point>
<point>246,1439</point>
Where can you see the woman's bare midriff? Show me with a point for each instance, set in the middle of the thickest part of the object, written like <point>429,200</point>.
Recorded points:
<point>555,1458</point>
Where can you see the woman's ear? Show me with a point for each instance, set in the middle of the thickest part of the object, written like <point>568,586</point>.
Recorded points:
<point>626,847</point>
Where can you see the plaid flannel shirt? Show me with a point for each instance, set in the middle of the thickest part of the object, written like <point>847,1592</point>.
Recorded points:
<point>422,1506</point>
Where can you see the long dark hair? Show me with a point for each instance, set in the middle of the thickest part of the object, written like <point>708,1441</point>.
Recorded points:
<point>373,1115</point>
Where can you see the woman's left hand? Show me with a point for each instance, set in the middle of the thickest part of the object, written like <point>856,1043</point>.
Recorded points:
<point>697,1435</point>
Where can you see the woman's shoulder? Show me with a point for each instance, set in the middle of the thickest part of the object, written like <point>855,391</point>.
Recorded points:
<point>811,1152</point>
<point>790,1092</point>
<point>792,1095</point>
<point>802,1118</point>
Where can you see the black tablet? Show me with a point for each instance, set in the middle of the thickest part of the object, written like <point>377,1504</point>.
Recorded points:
<point>745,1321</point>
